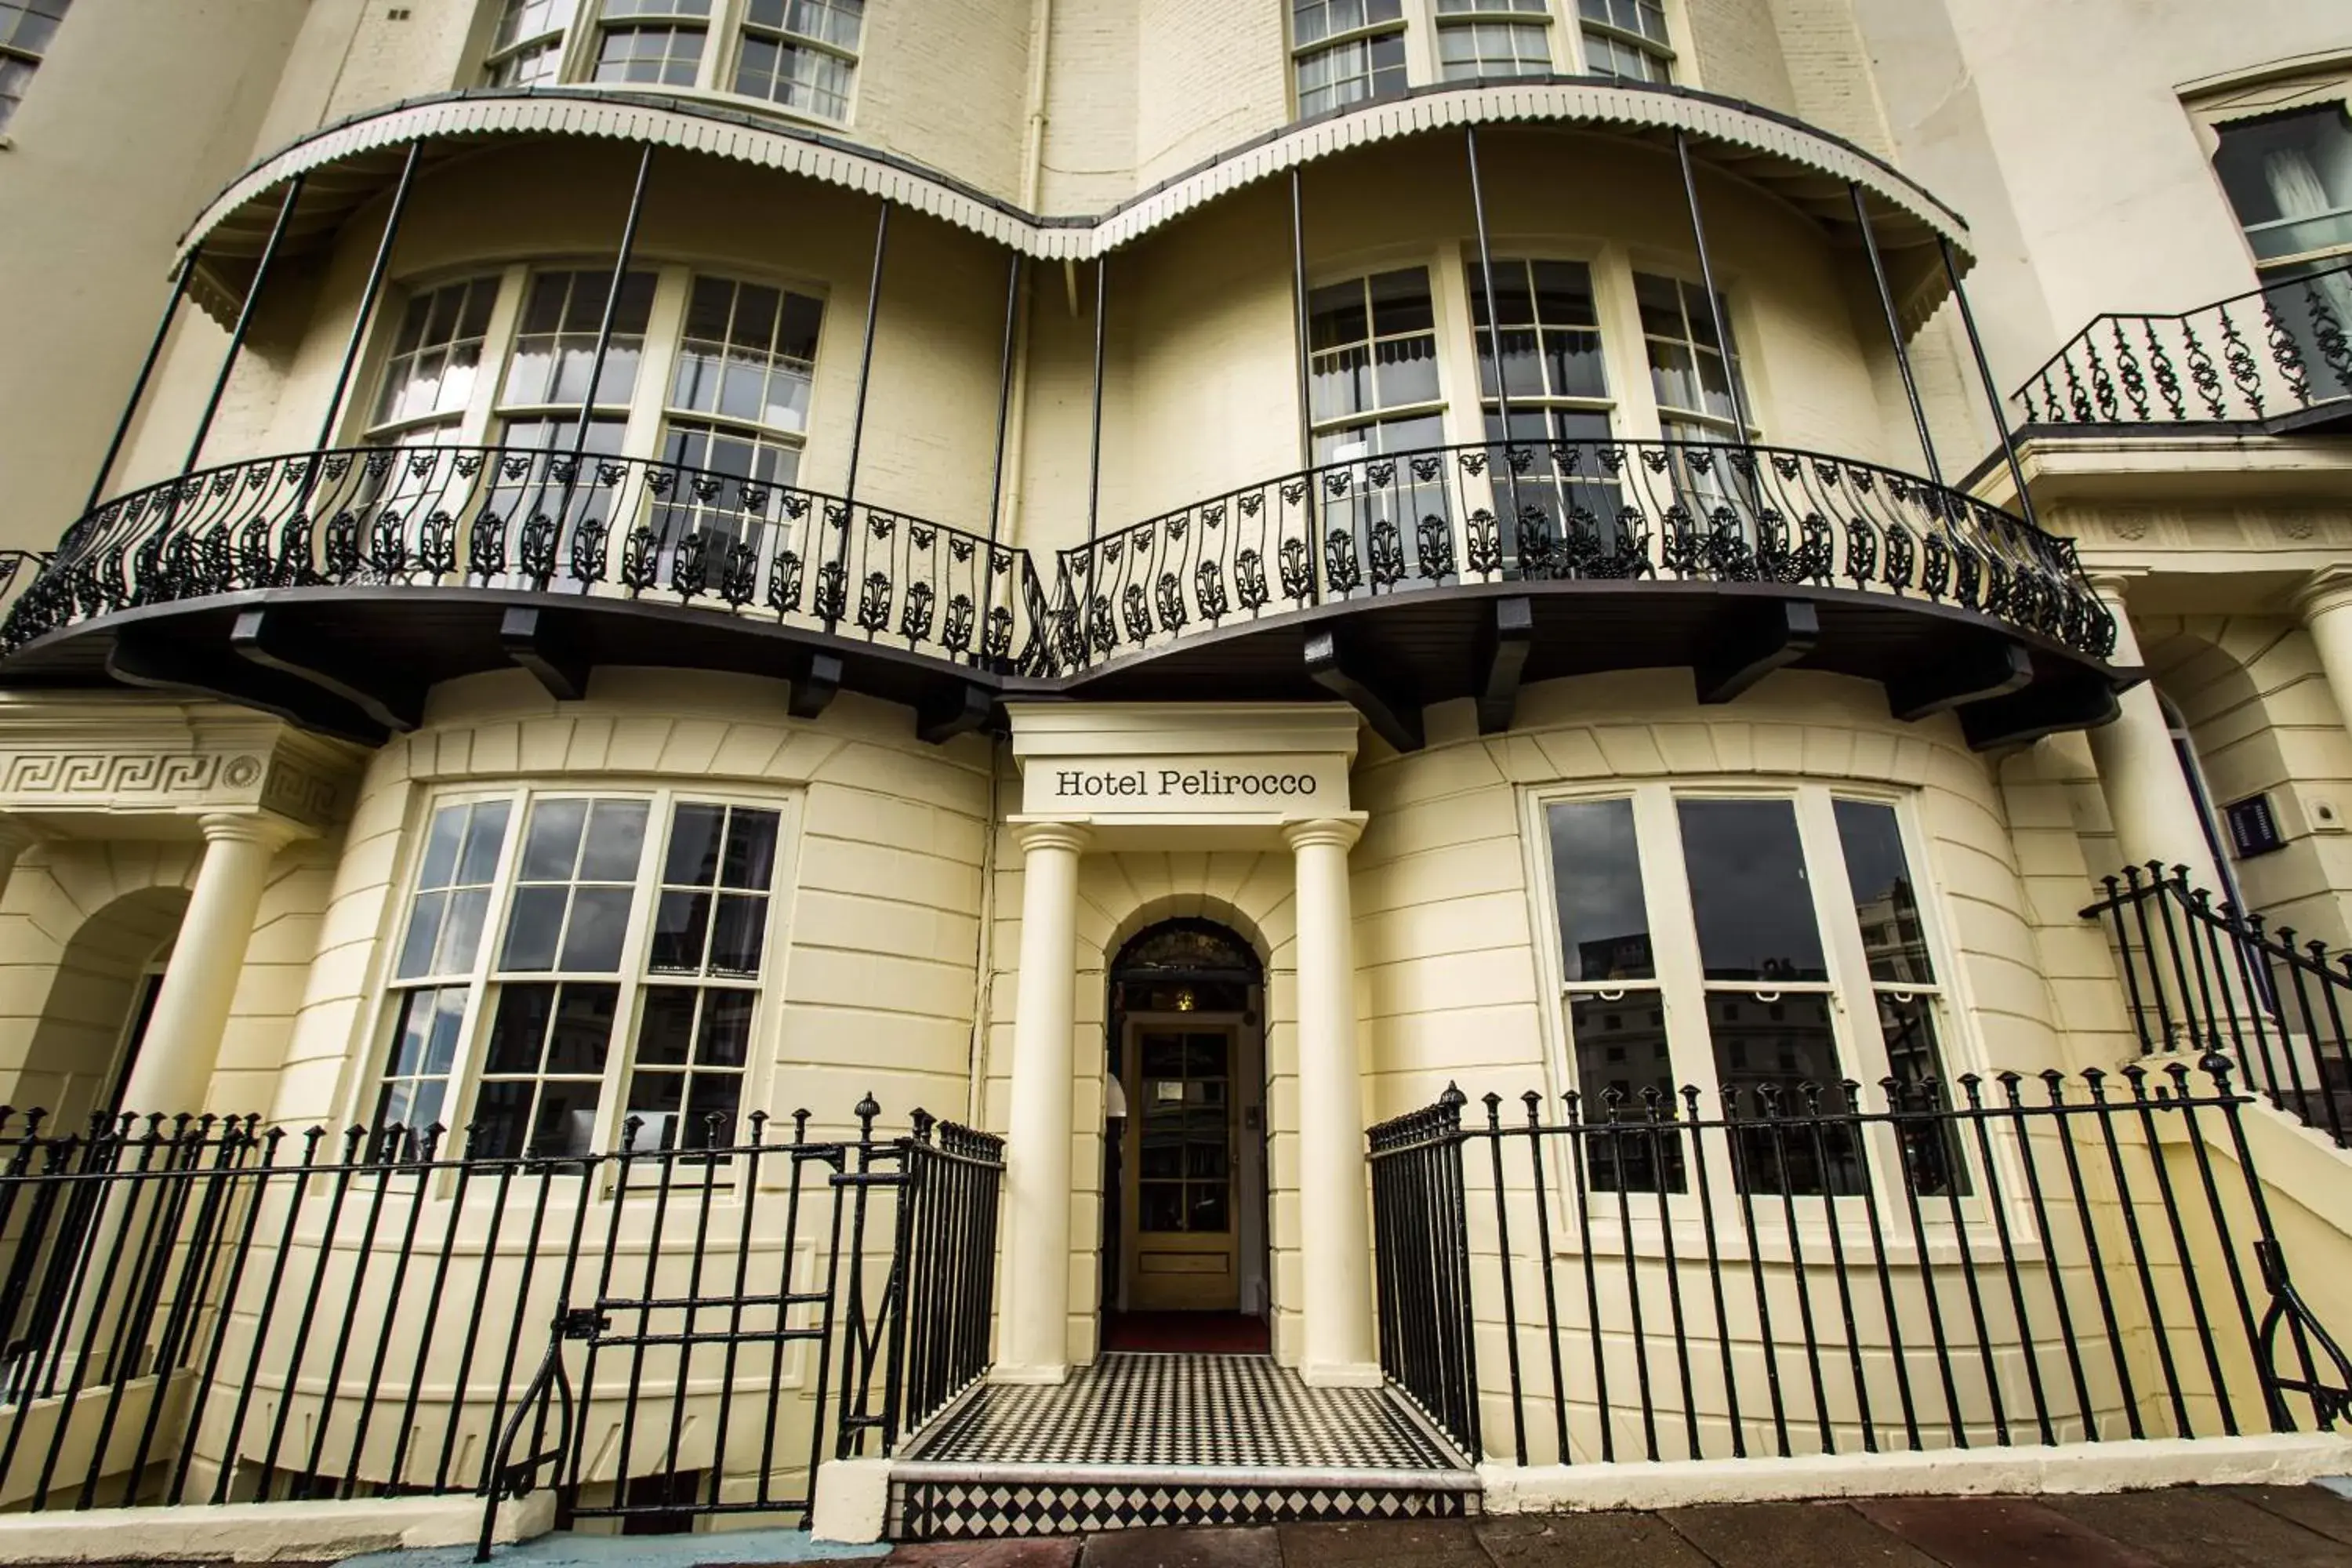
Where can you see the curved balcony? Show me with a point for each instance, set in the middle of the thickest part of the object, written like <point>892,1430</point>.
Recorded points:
<point>336,587</point>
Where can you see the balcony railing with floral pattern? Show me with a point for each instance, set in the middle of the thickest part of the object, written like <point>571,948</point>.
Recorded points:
<point>1537,512</point>
<point>2274,352</point>
<point>616,530</point>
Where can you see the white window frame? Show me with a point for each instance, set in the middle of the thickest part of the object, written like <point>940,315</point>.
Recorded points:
<point>30,59</point>
<point>1682,990</point>
<point>1667,53</point>
<point>630,975</point>
<point>724,31</point>
<point>1539,14</point>
<point>1400,27</point>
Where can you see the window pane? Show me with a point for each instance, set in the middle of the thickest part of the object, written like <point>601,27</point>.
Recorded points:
<point>1933,1160</point>
<point>566,1124</point>
<point>751,848</point>
<point>616,831</point>
<point>1604,922</point>
<point>694,836</point>
<point>680,923</point>
<point>441,845</point>
<point>1884,900</point>
<point>485,835</point>
<point>501,1113</point>
<point>710,1105</point>
<point>1621,1055</point>
<point>423,936</point>
<point>518,1032</point>
<point>553,847</point>
<point>726,1029</point>
<point>1778,1059</point>
<point>600,921</point>
<point>582,1029</point>
<point>1748,890</point>
<point>533,925</point>
<point>665,1025</point>
<point>736,938</point>
<point>461,932</point>
<point>654,1101</point>
<point>2289,178</point>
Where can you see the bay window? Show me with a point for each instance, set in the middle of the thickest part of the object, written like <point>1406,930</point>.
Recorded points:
<point>1626,38</point>
<point>1345,51</point>
<point>800,55</point>
<point>1548,326</point>
<point>1479,39</point>
<point>590,965</point>
<point>1766,946</point>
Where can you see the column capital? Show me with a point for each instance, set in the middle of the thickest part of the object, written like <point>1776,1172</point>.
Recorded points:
<point>272,833</point>
<point>1341,831</point>
<point>1070,836</point>
<point>2329,588</point>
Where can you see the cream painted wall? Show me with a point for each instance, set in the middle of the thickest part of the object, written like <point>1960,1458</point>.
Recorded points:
<point>2059,131</point>
<point>81,919</point>
<point>871,987</point>
<point>136,116</point>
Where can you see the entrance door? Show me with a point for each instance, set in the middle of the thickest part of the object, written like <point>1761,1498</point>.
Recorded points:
<point>1181,1237</point>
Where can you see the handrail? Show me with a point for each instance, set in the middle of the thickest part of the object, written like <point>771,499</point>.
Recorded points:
<point>631,528</point>
<point>2302,323</point>
<point>1552,510</point>
<point>2202,975</point>
<point>526,518</point>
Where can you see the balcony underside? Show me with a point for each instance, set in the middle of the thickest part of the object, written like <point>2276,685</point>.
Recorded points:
<point>357,661</point>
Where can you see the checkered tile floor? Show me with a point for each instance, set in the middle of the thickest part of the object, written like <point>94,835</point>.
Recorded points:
<point>1188,1410</point>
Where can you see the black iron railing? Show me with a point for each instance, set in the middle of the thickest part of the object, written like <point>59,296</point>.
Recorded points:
<point>2275,350</point>
<point>492,517</point>
<point>530,519</point>
<point>2200,975</point>
<point>202,1311</point>
<point>1819,1271</point>
<point>1547,511</point>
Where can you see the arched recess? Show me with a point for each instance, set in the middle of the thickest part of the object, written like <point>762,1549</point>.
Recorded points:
<point>1185,1180</point>
<point>78,1050</point>
<point>2254,703</point>
<point>1120,895</point>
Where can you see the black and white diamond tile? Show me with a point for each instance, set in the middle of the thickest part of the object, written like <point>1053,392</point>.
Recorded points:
<point>949,1510</point>
<point>1225,1410</point>
<point>1169,1439</point>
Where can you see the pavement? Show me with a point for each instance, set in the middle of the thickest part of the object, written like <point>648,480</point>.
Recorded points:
<point>2188,1527</point>
<point>2199,1527</point>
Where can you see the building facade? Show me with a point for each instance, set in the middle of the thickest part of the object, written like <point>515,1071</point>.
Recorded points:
<point>794,711</point>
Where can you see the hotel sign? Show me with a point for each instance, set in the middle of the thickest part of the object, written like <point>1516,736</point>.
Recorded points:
<point>1296,784</point>
<point>1174,762</point>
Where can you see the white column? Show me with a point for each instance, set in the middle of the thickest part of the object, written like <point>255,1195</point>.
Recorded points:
<point>2326,605</point>
<point>1334,1226</point>
<point>183,1041</point>
<point>1033,1336</point>
<point>2155,816</point>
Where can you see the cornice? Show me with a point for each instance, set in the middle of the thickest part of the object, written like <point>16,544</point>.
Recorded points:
<point>233,221</point>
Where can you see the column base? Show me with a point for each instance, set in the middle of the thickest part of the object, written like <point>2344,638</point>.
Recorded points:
<point>1058,1373</point>
<point>1342,1375</point>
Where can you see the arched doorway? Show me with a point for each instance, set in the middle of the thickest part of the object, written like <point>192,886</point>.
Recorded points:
<point>1184,1211</point>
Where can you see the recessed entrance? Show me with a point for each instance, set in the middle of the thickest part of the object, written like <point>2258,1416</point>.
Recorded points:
<point>1184,1234</point>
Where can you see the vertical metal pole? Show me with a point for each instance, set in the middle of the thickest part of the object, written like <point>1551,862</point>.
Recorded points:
<point>866,361</point>
<point>146,373</point>
<point>1714,299</point>
<point>1895,333</point>
<point>612,306</point>
<point>1487,272</point>
<point>1004,394</point>
<point>373,292</point>
<point>1298,310</point>
<point>1094,451</point>
<point>244,320</point>
<point>1992,393</point>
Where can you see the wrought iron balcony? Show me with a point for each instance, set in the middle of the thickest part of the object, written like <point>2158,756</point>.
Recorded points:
<point>336,587</point>
<point>2278,356</point>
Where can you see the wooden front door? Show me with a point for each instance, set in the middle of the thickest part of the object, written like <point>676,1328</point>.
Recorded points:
<point>1178,1200</point>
